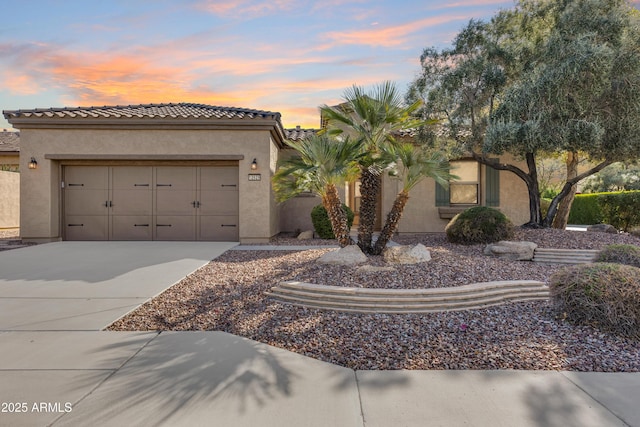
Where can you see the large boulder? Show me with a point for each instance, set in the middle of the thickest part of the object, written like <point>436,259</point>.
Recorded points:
<point>406,254</point>
<point>602,228</point>
<point>349,255</point>
<point>515,251</point>
<point>306,235</point>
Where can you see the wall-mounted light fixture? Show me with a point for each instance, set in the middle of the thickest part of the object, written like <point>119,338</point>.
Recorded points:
<point>33,164</point>
<point>254,165</point>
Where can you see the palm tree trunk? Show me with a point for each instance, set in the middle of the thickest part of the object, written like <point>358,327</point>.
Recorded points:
<point>562,216</point>
<point>391,225</point>
<point>337,215</point>
<point>369,188</point>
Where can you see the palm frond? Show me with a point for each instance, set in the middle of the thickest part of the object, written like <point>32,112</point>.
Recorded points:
<point>319,162</point>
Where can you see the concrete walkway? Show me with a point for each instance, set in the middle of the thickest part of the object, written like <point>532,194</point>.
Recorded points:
<point>57,368</point>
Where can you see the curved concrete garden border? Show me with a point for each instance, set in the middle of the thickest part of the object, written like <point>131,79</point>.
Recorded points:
<point>365,300</point>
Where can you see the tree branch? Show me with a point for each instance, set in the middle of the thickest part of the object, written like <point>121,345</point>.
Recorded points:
<point>553,207</point>
<point>481,158</point>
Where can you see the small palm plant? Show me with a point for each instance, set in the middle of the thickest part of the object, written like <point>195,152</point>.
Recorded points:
<point>411,165</point>
<point>320,166</point>
<point>371,118</point>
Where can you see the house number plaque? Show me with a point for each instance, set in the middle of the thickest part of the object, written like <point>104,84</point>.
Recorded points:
<point>255,177</point>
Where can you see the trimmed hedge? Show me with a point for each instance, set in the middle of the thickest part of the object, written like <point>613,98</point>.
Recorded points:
<point>620,209</point>
<point>585,209</point>
<point>322,224</point>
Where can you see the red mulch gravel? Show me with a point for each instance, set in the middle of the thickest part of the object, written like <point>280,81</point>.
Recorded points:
<point>228,295</point>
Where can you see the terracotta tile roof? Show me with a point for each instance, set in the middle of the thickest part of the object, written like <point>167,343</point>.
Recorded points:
<point>173,111</point>
<point>297,134</point>
<point>9,141</point>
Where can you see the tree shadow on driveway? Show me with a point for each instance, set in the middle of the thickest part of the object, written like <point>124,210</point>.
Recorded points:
<point>193,378</point>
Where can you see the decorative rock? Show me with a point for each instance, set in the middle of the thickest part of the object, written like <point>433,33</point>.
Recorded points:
<point>602,228</point>
<point>349,255</point>
<point>514,251</point>
<point>406,254</point>
<point>306,235</point>
<point>373,269</point>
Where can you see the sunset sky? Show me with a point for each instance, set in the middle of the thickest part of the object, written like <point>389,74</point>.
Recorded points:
<point>288,56</point>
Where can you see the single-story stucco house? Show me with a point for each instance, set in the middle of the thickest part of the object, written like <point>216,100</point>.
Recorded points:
<point>197,172</point>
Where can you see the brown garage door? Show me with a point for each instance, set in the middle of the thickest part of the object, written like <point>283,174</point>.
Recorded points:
<point>151,203</point>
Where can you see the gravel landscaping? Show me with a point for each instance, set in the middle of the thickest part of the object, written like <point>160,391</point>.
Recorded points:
<point>228,295</point>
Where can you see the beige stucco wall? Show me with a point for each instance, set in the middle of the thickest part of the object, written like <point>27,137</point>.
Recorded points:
<point>40,190</point>
<point>10,197</point>
<point>514,197</point>
<point>295,213</point>
<point>274,209</point>
<point>421,213</point>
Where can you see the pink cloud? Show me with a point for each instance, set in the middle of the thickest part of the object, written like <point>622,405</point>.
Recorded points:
<point>390,36</point>
<point>471,3</point>
<point>20,84</point>
<point>245,7</point>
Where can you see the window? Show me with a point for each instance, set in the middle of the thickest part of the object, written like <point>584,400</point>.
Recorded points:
<point>464,190</point>
<point>467,190</point>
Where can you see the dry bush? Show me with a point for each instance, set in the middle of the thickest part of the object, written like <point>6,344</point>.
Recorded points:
<point>620,254</point>
<point>602,295</point>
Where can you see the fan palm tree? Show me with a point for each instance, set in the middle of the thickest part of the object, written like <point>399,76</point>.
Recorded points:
<point>372,119</point>
<point>321,165</point>
<point>412,164</point>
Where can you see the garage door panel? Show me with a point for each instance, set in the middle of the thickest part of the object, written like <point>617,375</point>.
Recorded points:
<point>86,177</point>
<point>132,177</point>
<point>131,202</point>
<point>175,227</point>
<point>175,178</point>
<point>218,203</point>
<point>219,178</point>
<point>86,202</point>
<point>86,227</point>
<point>131,227</point>
<point>175,202</point>
<point>219,228</point>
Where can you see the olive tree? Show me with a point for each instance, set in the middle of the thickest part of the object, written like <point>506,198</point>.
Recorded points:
<point>545,78</point>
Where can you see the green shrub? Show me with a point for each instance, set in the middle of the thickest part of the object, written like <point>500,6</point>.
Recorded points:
<point>585,209</point>
<point>603,295</point>
<point>322,224</point>
<point>544,206</point>
<point>620,209</point>
<point>479,224</point>
<point>620,254</point>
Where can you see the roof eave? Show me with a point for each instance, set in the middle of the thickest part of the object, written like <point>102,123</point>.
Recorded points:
<point>273,124</point>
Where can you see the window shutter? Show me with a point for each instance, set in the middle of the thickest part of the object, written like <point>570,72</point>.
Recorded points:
<point>442,195</point>
<point>492,186</point>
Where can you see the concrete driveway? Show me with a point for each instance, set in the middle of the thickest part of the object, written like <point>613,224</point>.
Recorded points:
<point>87,285</point>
